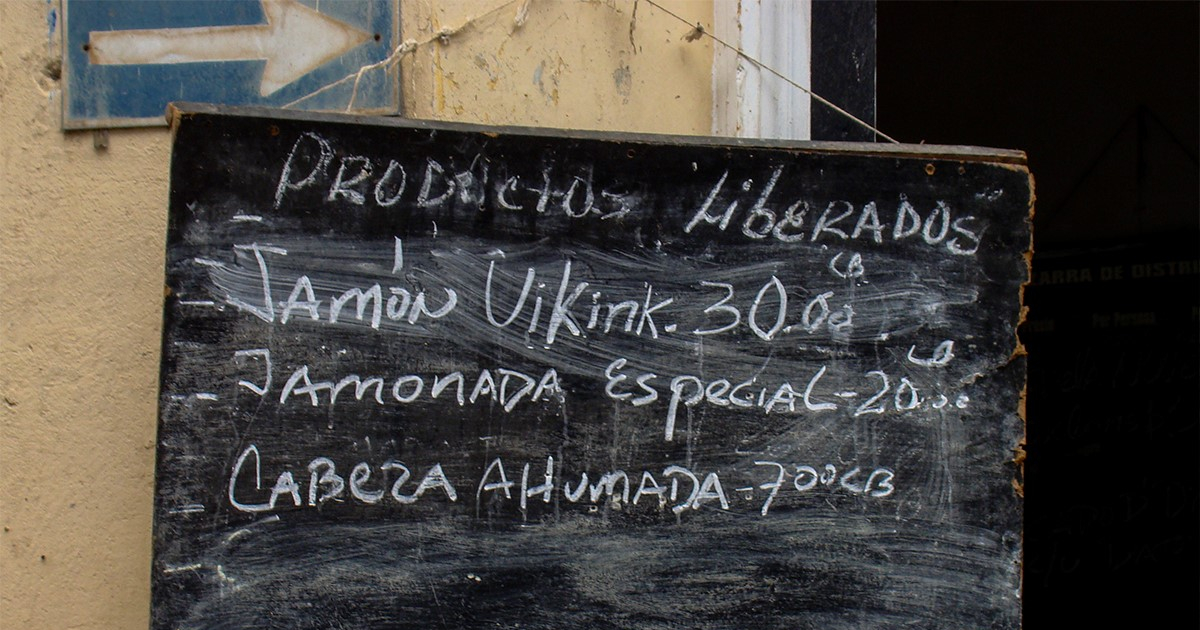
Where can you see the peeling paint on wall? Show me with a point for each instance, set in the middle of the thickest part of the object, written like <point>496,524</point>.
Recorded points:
<point>623,81</point>
<point>560,64</point>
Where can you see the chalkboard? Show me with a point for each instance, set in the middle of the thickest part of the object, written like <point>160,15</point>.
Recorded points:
<point>436,376</point>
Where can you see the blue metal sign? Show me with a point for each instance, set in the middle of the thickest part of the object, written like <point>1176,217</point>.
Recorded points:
<point>124,60</point>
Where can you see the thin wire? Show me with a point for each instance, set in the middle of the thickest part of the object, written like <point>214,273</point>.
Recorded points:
<point>407,47</point>
<point>741,53</point>
<point>410,46</point>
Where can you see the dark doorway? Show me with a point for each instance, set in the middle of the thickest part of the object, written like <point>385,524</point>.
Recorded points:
<point>1104,99</point>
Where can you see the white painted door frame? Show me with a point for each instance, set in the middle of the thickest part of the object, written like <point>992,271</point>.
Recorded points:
<point>749,102</point>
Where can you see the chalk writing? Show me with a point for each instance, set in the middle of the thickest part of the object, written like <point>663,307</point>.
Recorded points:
<point>672,488</point>
<point>569,379</point>
<point>834,221</point>
<point>501,385</point>
<point>552,304</point>
<point>325,484</point>
<point>361,180</point>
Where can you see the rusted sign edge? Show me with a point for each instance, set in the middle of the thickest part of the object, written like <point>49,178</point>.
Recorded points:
<point>930,151</point>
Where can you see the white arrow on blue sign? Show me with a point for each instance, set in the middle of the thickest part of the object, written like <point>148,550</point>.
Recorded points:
<point>126,59</point>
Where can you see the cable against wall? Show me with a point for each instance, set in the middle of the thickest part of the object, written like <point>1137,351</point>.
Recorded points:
<point>409,46</point>
<point>699,30</point>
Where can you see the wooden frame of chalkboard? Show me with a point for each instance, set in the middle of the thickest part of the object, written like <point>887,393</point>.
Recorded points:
<point>445,376</point>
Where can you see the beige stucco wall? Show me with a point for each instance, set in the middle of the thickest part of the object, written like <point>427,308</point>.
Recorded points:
<point>571,64</point>
<point>81,254</point>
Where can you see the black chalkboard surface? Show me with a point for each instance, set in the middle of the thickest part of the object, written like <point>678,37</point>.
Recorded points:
<point>436,376</point>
